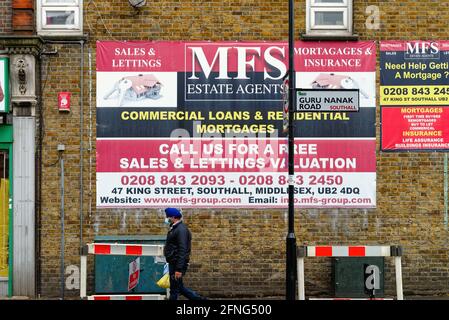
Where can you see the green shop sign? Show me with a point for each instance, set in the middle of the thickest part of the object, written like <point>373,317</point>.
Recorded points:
<point>4,84</point>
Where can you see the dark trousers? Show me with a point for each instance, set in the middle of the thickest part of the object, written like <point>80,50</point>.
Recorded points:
<point>177,287</point>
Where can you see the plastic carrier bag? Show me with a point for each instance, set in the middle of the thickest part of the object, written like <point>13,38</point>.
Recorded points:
<point>164,282</point>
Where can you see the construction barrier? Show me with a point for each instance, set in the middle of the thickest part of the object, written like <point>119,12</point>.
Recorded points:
<point>349,251</point>
<point>118,249</point>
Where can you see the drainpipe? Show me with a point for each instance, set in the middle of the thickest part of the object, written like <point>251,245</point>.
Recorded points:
<point>61,149</point>
<point>81,143</point>
<point>90,133</point>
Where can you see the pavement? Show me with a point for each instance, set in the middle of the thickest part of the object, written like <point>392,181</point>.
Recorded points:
<point>411,297</point>
<point>443,297</point>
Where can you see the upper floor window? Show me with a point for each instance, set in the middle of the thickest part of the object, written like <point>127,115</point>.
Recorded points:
<point>59,17</point>
<point>329,17</point>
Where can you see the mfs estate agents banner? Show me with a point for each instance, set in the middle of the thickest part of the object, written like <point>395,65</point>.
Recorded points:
<point>414,95</point>
<point>199,124</point>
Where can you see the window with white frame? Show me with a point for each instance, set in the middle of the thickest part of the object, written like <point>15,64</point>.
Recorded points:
<point>329,17</point>
<point>59,17</point>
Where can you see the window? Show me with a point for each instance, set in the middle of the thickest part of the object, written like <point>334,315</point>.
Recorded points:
<point>59,17</point>
<point>329,17</point>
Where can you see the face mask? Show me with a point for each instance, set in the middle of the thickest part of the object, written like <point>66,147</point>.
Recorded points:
<point>167,221</point>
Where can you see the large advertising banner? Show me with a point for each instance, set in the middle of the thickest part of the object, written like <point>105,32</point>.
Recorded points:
<point>199,124</point>
<point>414,95</point>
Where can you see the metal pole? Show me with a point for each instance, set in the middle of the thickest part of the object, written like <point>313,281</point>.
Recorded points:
<point>291,239</point>
<point>90,138</point>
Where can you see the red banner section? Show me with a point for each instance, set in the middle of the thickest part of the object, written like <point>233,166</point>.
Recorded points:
<point>139,56</point>
<point>332,56</point>
<point>414,46</point>
<point>246,155</point>
<point>415,128</point>
<point>241,57</point>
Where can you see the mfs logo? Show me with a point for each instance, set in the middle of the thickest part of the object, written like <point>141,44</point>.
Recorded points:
<point>236,62</point>
<point>234,72</point>
<point>422,50</point>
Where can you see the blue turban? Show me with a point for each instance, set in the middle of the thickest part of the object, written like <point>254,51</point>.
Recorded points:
<point>173,212</point>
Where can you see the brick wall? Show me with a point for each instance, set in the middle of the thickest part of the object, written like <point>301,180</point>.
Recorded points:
<point>242,252</point>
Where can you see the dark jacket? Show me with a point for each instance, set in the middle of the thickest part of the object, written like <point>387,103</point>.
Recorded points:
<point>177,247</point>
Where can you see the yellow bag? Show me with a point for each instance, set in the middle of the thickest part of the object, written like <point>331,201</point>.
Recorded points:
<point>164,282</point>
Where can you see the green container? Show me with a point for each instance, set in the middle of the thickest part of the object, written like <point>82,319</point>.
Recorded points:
<point>112,272</point>
<point>348,276</point>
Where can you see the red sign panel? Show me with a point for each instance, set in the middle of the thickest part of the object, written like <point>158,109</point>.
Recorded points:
<point>415,128</point>
<point>134,273</point>
<point>249,155</point>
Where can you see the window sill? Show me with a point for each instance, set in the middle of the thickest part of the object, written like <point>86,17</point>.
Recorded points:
<point>329,35</point>
<point>62,35</point>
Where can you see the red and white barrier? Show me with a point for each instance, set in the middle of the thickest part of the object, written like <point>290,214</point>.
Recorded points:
<point>125,249</point>
<point>117,249</point>
<point>349,251</point>
<point>350,299</point>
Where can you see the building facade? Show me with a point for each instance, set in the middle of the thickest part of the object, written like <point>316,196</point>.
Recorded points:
<point>51,50</point>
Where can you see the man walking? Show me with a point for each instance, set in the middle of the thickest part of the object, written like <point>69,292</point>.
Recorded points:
<point>177,253</point>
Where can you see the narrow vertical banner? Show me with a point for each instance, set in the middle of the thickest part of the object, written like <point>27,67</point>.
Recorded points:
<point>414,97</point>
